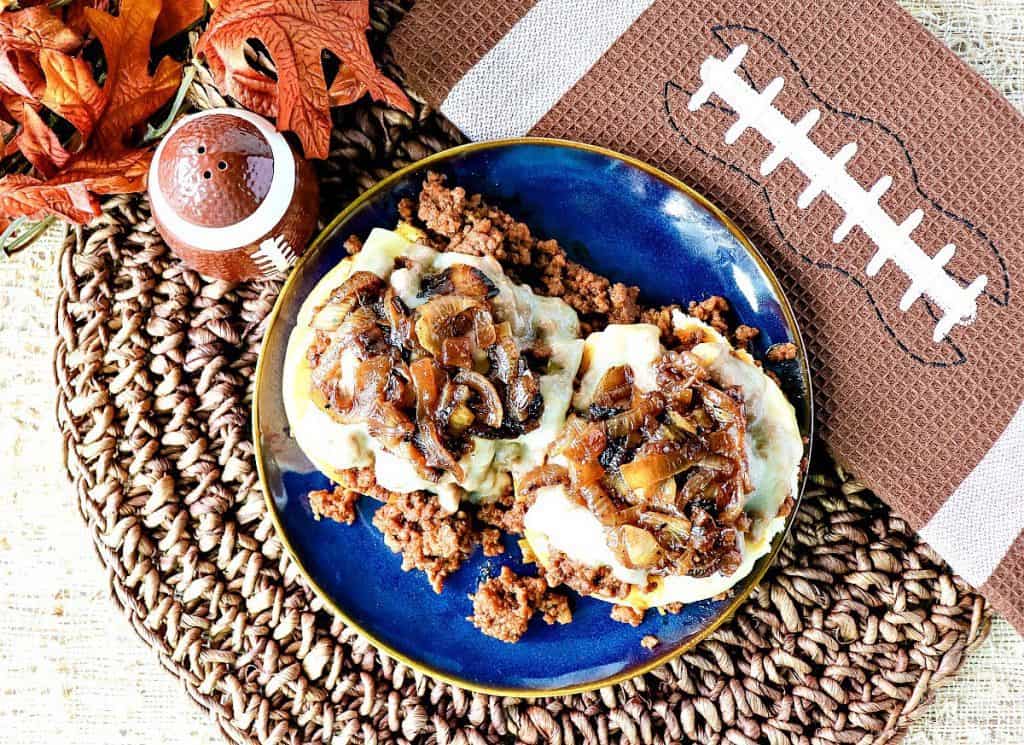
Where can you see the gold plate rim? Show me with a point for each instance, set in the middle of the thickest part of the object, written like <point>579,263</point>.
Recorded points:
<point>760,568</point>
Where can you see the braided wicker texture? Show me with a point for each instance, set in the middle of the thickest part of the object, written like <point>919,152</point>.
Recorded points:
<point>844,642</point>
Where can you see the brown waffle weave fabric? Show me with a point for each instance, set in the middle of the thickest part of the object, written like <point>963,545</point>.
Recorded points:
<point>845,641</point>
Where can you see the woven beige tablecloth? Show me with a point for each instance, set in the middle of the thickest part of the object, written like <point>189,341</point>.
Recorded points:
<point>72,671</point>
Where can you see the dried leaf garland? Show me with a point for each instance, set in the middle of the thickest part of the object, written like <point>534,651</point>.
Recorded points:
<point>103,160</point>
<point>295,34</point>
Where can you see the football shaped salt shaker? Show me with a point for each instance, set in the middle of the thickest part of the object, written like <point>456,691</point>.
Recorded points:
<point>231,197</point>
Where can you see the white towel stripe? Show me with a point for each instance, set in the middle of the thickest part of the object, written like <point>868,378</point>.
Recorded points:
<point>978,524</point>
<point>529,70</point>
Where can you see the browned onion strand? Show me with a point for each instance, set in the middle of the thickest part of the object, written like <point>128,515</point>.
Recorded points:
<point>547,474</point>
<point>428,379</point>
<point>458,279</point>
<point>615,388</point>
<point>634,419</point>
<point>489,407</point>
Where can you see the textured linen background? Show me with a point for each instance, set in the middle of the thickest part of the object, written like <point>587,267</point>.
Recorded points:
<point>72,671</point>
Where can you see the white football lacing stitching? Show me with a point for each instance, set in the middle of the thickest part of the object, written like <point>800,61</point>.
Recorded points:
<point>828,175</point>
<point>274,256</point>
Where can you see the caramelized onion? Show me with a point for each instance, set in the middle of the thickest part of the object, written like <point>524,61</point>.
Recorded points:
<point>633,420</point>
<point>360,332</point>
<point>457,352</point>
<point>716,462</point>
<point>388,424</point>
<point>458,279</point>
<point>369,403</point>
<point>429,380</point>
<point>489,405</point>
<point>700,484</point>
<point>504,354</point>
<point>720,405</point>
<point>648,469</point>
<point>677,527</point>
<point>541,476</point>
<point>360,288</point>
<point>441,318</point>
<point>584,441</point>
<point>400,329</point>
<point>639,549</point>
<point>428,437</point>
<point>596,499</point>
<point>662,495</point>
<point>615,387</point>
<point>682,422</point>
<point>523,396</point>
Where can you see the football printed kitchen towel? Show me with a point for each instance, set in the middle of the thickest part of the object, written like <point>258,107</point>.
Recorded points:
<point>883,180</point>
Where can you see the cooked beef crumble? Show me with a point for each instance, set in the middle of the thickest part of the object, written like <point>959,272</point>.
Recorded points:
<point>504,605</point>
<point>490,542</point>
<point>627,614</point>
<point>363,481</point>
<point>781,352</point>
<point>337,504</point>
<point>743,335</point>
<point>415,526</point>
<point>713,312</point>
<point>506,513</point>
<point>586,580</point>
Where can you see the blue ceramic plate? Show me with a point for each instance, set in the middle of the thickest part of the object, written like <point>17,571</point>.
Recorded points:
<point>617,216</point>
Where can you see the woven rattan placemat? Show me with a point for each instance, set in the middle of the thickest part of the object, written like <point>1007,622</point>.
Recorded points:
<point>843,642</point>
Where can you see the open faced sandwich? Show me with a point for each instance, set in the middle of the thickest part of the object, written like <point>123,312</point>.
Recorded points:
<point>477,382</point>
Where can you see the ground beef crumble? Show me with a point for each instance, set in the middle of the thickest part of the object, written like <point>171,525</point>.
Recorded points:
<point>627,614</point>
<point>744,335</point>
<point>781,352</point>
<point>336,504</point>
<point>363,481</point>
<point>713,312</point>
<point>490,542</point>
<point>504,605</point>
<point>415,526</point>
<point>586,580</point>
<point>506,513</point>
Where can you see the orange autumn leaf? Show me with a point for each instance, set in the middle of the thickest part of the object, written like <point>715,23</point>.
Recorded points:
<point>104,173</point>
<point>295,33</point>
<point>26,196</point>
<point>71,92</point>
<point>176,16</point>
<point>346,87</point>
<point>133,95</point>
<point>23,35</point>
<point>39,144</point>
<point>105,118</point>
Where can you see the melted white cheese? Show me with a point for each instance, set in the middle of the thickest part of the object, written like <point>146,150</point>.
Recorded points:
<point>556,522</point>
<point>637,345</point>
<point>773,444</point>
<point>333,446</point>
